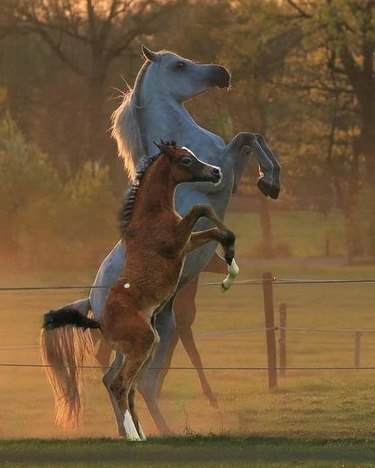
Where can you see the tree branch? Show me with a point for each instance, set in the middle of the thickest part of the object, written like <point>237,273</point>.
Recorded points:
<point>302,12</point>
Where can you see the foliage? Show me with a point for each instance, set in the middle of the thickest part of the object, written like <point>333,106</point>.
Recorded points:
<point>43,219</point>
<point>302,75</point>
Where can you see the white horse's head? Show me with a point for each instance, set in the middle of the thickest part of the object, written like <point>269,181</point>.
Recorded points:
<point>180,78</point>
<point>163,74</point>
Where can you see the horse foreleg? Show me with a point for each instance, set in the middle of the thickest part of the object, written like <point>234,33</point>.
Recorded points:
<point>268,177</point>
<point>276,166</point>
<point>226,239</point>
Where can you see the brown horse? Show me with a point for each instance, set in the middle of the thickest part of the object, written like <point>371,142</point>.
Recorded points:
<point>184,309</point>
<point>157,240</point>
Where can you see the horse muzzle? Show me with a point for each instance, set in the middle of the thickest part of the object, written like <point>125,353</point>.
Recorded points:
<point>211,174</point>
<point>220,77</point>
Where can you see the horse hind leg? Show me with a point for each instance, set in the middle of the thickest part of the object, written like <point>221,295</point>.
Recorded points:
<point>123,387</point>
<point>185,312</point>
<point>168,361</point>
<point>148,385</point>
<point>108,379</point>
<point>131,398</point>
<point>187,339</point>
<point>104,352</point>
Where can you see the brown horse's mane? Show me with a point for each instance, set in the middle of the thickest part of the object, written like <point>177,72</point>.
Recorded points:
<point>130,197</point>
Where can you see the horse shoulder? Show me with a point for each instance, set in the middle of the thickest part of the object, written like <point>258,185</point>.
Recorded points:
<point>211,138</point>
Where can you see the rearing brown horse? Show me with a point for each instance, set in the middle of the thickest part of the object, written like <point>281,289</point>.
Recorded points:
<point>157,240</point>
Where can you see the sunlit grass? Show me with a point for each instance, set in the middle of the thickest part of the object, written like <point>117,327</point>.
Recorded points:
<point>302,233</point>
<point>325,403</point>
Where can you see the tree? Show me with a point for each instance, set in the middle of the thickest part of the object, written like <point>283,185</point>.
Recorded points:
<point>341,36</point>
<point>87,37</point>
<point>255,47</point>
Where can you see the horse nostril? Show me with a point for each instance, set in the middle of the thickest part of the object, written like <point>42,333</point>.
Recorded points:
<point>216,171</point>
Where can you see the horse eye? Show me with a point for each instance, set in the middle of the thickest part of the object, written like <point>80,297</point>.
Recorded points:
<point>186,161</point>
<point>180,65</point>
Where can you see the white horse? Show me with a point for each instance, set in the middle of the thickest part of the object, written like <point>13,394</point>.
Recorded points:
<point>153,110</point>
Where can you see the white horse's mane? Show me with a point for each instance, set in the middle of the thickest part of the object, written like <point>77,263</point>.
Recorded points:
<point>126,129</point>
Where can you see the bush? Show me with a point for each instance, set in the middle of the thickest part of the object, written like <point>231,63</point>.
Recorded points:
<point>43,220</point>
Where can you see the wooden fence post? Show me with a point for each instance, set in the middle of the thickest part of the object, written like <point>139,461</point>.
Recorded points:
<point>282,340</point>
<point>270,326</point>
<point>357,349</point>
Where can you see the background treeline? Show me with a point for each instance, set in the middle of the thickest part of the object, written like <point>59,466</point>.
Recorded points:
<point>303,75</point>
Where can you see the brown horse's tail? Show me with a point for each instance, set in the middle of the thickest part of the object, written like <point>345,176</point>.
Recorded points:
<point>64,346</point>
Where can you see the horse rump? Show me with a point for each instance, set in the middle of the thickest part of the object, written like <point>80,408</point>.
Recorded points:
<point>65,346</point>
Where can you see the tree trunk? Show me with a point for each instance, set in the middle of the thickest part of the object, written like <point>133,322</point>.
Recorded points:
<point>367,148</point>
<point>96,128</point>
<point>354,245</point>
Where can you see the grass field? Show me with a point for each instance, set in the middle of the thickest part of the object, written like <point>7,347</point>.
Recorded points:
<point>211,451</point>
<point>306,403</point>
<point>320,404</point>
<point>301,233</point>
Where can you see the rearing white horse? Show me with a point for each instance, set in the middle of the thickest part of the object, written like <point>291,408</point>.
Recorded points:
<point>153,110</point>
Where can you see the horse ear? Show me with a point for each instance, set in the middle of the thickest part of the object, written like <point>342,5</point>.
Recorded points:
<point>149,54</point>
<point>165,148</point>
<point>159,146</point>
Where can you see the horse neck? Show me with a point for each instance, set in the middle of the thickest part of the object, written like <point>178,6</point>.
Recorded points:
<point>156,190</point>
<point>159,115</point>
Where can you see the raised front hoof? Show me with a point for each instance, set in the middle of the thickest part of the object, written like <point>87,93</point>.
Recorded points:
<point>224,287</point>
<point>274,193</point>
<point>264,187</point>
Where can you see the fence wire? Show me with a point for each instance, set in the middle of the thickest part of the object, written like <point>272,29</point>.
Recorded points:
<point>273,281</point>
<point>245,282</point>
<point>184,368</point>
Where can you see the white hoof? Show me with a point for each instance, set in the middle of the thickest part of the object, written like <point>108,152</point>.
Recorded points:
<point>233,268</point>
<point>131,431</point>
<point>233,271</point>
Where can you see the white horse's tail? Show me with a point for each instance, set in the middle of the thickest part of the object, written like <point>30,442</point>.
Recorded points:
<point>64,350</point>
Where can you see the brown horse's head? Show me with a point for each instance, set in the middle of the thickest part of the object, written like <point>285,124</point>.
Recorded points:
<point>186,167</point>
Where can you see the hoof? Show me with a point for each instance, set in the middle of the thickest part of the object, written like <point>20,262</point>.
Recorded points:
<point>264,187</point>
<point>224,286</point>
<point>274,193</point>
<point>233,271</point>
<point>131,432</point>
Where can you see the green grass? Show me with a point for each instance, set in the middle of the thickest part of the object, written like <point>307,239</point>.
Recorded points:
<point>310,404</point>
<point>307,403</point>
<point>211,451</point>
<point>302,233</point>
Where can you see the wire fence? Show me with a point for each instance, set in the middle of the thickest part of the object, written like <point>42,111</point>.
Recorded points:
<point>245,282</point>
<point>270,280</point>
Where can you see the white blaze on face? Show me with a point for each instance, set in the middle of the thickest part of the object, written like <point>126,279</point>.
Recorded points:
<point>127,285</point>
<point>206,164</point>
